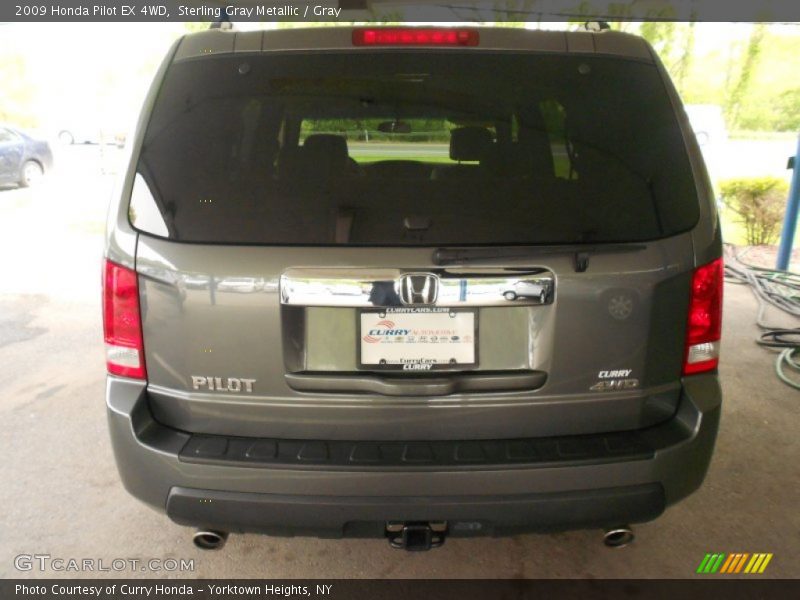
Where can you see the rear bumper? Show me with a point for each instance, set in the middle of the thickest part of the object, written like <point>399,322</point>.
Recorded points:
<point>336,498</point>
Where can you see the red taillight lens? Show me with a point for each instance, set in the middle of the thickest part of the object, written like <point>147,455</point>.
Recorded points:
<point>415,36</point>
<point>705,319</point>
<point>122,321</point>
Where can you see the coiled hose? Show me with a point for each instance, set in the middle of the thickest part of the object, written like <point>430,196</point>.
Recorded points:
<point>777,288</point>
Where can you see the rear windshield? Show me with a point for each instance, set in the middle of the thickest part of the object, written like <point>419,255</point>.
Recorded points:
<point>413,148</point>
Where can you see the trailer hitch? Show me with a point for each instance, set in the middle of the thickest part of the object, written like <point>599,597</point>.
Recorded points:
<point>416,536</point>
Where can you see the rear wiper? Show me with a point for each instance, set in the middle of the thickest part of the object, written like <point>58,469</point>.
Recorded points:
<point>450,256</point>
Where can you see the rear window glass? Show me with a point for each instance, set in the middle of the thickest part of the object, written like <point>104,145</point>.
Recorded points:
<point>413,148</point>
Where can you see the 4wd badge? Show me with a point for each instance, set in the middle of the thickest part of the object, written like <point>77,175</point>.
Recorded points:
<point>615,380</point>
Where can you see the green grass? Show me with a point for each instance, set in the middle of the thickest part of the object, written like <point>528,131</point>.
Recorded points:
<point>561,162</point>
<point>370,158</point>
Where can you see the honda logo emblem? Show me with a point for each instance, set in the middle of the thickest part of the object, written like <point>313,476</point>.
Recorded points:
<point>419,288</point>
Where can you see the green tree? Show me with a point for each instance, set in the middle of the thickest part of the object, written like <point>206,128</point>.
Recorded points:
<point>661,36</point>
<point>513,13</point>
<point>787,110</point>
<point>196,26</point>
<point>17,92</point>
<point>737,96</point>
<point>684,64</point>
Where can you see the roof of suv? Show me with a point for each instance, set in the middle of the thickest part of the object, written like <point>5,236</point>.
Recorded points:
<point>216,41</point>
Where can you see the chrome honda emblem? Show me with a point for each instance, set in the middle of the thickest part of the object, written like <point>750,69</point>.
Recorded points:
<point>418,288</point>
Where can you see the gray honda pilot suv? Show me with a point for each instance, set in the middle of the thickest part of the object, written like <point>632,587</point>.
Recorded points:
<point>412,283</point>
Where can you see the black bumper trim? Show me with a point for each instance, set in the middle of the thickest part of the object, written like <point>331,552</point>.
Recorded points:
<point>353,516</point>
<point>254,452</point>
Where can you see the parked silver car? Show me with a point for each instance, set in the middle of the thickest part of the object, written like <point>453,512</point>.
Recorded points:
<point>380,382</point>
<point>527,289</point>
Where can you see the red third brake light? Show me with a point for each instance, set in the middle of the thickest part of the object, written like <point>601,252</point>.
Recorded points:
<point>705,319</point>
<point>122,322</point>
<point>415,36</point>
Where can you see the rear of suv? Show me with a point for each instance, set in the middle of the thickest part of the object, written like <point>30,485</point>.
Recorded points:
<point>412,282</point>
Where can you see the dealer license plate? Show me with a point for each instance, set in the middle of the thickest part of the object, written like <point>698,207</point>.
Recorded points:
<point>418,339</point>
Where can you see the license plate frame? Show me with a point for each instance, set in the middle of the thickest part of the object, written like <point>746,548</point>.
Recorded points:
<point>406,316</point>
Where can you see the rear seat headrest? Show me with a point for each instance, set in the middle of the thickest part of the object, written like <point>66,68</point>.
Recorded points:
<point>332,146</point>
<point>469,143</point>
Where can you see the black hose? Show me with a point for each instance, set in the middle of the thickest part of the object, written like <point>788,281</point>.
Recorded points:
<point>777,288</point>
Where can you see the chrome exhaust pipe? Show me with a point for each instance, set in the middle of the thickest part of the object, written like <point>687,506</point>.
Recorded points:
<point>618,537</point>
<point>208,539</point>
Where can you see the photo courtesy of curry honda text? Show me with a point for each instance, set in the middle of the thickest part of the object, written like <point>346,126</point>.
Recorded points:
<point>412,283</point>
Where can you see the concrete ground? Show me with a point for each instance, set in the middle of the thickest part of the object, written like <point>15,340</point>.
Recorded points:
<point>61,495</point>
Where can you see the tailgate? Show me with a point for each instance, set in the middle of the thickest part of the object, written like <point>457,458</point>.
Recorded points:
<point>270,342</point>
<point>294,209</point>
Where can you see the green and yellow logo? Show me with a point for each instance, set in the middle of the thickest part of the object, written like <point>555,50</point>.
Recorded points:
<point>737,562</point>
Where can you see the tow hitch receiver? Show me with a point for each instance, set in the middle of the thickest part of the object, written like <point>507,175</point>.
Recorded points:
<point>416,536</point>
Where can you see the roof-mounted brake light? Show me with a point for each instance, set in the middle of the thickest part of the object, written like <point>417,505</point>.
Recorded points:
<point>415,36</point>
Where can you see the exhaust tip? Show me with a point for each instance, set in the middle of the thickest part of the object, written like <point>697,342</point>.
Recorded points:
<point>208,539</point>
<point>618,537</point>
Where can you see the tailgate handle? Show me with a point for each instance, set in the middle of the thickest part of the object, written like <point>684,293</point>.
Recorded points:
<point>367,383</point>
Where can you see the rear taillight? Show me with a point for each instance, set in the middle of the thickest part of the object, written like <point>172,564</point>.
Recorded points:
<point>705,319</point>
<point>415,36</point>
<point>122,321</point>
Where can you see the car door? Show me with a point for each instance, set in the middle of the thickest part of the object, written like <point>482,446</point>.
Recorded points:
<point>11,147</point>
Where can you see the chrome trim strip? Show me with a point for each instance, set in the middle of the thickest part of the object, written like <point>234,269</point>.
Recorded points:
<point>357,288</point>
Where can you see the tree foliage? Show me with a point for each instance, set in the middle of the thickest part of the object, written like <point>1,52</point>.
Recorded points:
<point>787,108</point>
<point>684,63</point>
<point>735,98</point>
<point>661,36</point>
<point>16,93</point>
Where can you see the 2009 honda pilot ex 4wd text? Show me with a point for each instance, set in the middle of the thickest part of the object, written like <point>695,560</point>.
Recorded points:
<point>412,282</point>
